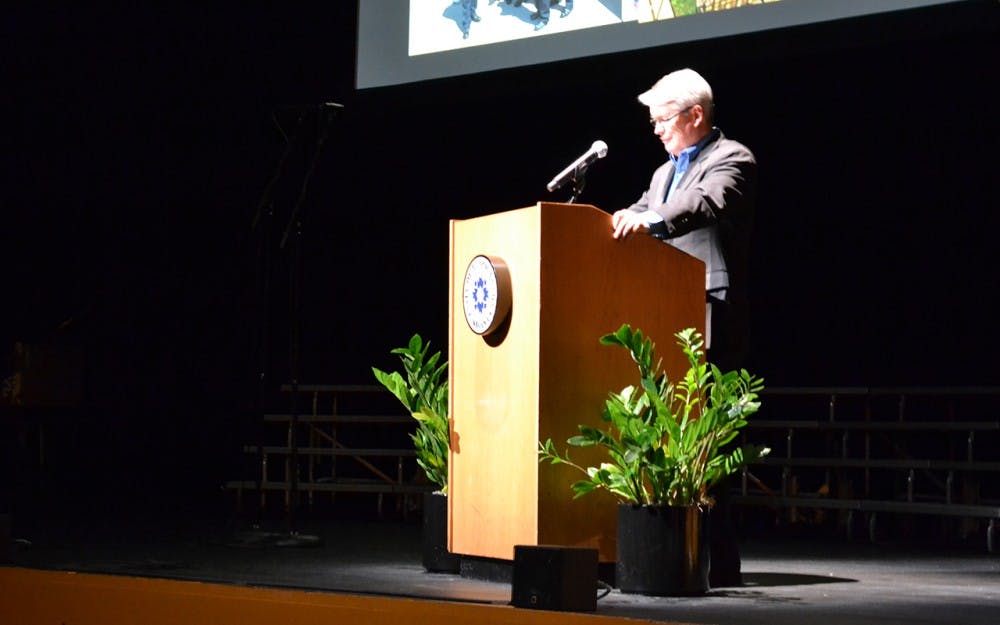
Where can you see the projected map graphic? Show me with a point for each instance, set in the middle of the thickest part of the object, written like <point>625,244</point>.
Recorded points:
<point>439,25</point>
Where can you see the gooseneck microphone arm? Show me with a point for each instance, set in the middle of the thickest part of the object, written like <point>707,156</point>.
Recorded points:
<point>577,170</point>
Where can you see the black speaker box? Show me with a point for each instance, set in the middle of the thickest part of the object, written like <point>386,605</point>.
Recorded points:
<point>554,578</point>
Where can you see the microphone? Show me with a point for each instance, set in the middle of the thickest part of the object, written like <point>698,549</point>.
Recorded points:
<point>598,150</point>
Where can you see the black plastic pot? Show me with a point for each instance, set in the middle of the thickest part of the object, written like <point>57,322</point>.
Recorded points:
<point>437,558</point>
<point>662,550</point>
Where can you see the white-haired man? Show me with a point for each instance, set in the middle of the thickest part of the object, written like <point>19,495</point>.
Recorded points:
<point>701,201</point>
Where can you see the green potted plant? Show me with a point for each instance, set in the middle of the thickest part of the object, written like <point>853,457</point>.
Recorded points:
<point>423,391</point>
<point>668,443</point>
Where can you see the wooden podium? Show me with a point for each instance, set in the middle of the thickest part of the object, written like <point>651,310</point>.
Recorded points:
<point>544,371</point>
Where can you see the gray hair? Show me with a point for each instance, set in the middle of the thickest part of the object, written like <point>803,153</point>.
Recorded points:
<point>684,87</point>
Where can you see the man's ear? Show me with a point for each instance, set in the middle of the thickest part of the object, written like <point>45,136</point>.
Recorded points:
<point>698,113</point>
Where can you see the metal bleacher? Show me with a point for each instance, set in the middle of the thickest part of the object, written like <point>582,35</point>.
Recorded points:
<point>876,452</point>
<point>337,445</point>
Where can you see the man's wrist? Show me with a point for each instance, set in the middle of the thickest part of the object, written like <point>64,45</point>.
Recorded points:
<point>652,217</point>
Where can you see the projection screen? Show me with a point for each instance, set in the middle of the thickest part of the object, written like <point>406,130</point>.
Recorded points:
<point>404,42</point>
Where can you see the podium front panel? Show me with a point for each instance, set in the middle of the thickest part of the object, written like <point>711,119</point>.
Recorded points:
<point>546,372</point>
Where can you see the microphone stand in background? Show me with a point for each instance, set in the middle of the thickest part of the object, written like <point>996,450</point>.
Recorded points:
<point>293,233</point>
<point>290,244</point>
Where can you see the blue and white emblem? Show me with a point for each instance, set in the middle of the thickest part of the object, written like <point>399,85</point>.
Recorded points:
<point>482,294</point>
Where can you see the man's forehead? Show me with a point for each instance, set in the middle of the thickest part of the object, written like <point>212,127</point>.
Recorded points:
<point>669,105</point>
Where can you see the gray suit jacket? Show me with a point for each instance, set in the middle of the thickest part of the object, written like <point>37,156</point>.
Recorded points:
<point>710,213</point>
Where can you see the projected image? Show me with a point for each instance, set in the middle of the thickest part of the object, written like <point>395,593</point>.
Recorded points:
<point>439,25</point>
<point>653,10</point>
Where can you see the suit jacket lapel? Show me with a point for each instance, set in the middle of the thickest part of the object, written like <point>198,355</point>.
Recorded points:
<point>660,191</point>
<point>694,169</point>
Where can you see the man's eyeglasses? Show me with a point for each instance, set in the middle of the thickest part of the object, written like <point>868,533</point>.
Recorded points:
<point>653,121</point>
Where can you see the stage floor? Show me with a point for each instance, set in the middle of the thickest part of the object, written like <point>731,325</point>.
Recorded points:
<point>818,581</point>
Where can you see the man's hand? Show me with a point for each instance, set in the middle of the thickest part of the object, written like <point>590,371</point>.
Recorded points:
<point>625,222</point>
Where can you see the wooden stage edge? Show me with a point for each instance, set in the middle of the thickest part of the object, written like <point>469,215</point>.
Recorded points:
<point>31,596</point>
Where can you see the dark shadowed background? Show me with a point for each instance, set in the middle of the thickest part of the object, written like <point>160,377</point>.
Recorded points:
<point>138,143</point>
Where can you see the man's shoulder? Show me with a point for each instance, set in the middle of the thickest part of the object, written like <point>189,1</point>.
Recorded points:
<point>724,147</point>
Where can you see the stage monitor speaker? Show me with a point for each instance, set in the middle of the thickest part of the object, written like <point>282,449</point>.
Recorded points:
<point>554,578</point>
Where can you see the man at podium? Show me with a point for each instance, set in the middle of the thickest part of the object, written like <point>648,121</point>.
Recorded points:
<point>701,202</point>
